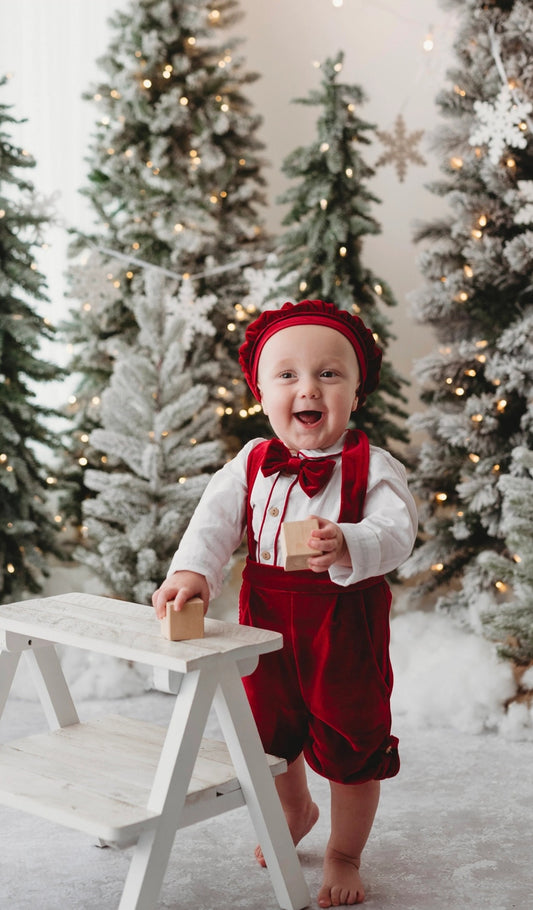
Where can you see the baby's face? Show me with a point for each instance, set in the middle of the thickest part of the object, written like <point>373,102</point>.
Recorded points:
<point>308,377</point>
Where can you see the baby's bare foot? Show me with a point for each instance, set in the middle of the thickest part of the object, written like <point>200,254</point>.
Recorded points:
<point>341,883</point>
<point>300,824</point>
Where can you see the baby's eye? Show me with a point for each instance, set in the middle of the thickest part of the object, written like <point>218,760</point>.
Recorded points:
<point>328,374</point>
<point>286,374</point>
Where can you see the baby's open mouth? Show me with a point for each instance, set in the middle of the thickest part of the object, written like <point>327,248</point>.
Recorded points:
<point>308,417</point>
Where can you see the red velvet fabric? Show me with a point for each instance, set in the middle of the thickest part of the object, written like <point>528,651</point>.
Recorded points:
<point>327,692</point>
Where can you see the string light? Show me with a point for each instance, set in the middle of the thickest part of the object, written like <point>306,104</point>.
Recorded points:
<point>428,42</point>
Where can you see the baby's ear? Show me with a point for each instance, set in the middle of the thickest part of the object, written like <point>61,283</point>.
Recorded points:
<point>355,400</point>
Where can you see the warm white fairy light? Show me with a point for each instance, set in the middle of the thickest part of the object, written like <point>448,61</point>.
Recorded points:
<point>429,42</point>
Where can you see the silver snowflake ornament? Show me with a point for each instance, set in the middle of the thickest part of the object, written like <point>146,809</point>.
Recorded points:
<point>193,311</point>
<point>401,148</point>
<point>500,125</point>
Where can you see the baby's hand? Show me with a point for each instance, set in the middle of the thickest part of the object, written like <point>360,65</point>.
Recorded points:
<point>329,539</point>
<point>180,587</point>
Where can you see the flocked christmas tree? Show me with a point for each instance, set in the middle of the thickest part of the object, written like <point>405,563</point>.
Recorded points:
<point>175,181</point>
<point>477,297</point>
<point>512,623</point>
<point>156,430</point>
<point>28,533</point>
<point>320,255</point>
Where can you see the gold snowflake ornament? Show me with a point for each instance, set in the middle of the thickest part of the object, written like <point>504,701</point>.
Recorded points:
<point>400,148</point>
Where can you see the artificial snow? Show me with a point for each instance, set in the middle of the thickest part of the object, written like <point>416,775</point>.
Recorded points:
<point>451,830</point>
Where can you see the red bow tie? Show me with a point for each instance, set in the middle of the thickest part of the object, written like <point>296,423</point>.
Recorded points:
<point>313,474</point>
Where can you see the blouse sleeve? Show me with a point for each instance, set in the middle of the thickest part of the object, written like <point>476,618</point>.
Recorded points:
<point>385,536</point>
<point>217,525</point>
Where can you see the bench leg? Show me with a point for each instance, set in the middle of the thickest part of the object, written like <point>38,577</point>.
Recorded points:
<point>248,757</point>
<point>51,686</point>
<point>169,791</point>
<point>8,667</point>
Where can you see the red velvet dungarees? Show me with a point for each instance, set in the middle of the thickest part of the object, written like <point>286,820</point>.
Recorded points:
<point>327,692</point>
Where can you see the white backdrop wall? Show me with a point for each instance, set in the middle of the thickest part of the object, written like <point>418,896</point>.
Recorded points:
<point>50,48</point>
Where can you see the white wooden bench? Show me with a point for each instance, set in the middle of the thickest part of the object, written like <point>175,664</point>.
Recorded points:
<point>127,782</point>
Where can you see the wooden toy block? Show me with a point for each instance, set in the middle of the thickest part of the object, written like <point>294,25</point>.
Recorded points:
<point>181,625</point>
<point>293,538</point>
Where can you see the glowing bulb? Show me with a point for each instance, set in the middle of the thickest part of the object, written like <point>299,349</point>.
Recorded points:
<point>428,43</point>
<point>323,204</point>
<point>441,497</point>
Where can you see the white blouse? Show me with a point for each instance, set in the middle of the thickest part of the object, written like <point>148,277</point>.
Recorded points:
<point>377,544</point>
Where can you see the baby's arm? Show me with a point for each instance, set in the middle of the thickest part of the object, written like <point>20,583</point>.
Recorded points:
<point>180,587</point>
<point>329,540</point>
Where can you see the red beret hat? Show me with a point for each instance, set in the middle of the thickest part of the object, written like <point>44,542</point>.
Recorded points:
<point>312,312</point>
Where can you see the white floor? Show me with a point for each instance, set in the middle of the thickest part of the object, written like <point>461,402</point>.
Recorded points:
<point>453,830</point>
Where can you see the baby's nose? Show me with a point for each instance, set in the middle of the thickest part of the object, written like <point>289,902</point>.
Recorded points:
<point>309,388</point>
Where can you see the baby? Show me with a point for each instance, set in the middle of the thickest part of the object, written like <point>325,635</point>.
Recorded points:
<point>324,699</point>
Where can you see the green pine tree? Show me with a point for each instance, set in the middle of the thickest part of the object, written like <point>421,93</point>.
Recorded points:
<point>28,533</point>
<point>330,213</point>
<point>174,180</point>
<point>477,297</point>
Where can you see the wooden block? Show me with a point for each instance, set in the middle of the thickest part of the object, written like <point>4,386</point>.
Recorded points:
<point>294,550</point>
<point>181,625</point>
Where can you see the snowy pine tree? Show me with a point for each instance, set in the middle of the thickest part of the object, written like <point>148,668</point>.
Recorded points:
<point>477,296</point>
<point>330,213</point>
<point>28,533</point>
<point>175,181</point>
<point>511,624</point>
<point>156,427</point>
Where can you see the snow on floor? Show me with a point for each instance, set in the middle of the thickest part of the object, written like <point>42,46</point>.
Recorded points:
<point>453,829</point>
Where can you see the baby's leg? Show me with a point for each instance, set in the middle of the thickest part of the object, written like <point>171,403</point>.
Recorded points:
<point>353,807</point>
<point>300,810</point>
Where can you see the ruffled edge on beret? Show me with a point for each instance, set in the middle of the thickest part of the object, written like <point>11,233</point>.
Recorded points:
<point>312,312</point>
